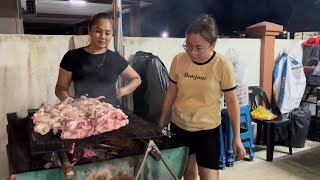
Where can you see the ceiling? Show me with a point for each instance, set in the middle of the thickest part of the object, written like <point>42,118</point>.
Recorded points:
<point>174,16</point>
<point>73,11</point>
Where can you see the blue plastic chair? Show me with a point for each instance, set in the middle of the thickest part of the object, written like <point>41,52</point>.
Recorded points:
<point>246,136</point>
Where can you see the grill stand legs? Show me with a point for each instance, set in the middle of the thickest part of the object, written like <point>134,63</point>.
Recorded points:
<point>156,154</point>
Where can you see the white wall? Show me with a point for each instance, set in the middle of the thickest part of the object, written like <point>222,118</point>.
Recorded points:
<point>29,68</point>
<point>166,48</point>
<point>28,72</point>
<point>249,54</point>
<point>292,46</point>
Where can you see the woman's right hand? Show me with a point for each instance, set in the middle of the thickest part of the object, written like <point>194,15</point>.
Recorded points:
<point>160,127</point>
<point>67,100</point>
<point>160,124</point>
<point>63,84</point>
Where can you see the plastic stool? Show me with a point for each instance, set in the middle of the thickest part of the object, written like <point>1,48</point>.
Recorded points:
<point>222,151</point>
<point>246,137</point>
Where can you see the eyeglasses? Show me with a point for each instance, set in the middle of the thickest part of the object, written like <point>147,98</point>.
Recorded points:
<point>198,50</point>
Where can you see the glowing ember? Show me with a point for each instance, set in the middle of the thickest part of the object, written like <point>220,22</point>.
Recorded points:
<point>88,153</point>
<point>72,149</point>
<point>74,160</point>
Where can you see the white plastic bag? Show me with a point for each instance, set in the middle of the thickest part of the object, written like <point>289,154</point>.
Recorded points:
<point>238,66</point>
<point>289,83</point>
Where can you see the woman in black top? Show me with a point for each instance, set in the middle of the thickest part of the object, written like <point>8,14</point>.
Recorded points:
<point>94,69</point>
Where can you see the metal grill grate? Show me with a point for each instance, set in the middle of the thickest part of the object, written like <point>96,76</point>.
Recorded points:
<point>137,129</point>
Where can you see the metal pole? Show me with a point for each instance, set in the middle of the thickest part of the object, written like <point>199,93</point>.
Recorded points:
<point>118,36</point>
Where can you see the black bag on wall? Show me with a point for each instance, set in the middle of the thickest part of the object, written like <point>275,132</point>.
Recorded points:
<point>149,96</point>
<point>311,64</point>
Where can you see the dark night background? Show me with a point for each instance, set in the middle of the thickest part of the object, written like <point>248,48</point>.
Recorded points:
<point>174,16</point>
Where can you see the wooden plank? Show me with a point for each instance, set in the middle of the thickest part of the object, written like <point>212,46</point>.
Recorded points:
<point>64,16</point>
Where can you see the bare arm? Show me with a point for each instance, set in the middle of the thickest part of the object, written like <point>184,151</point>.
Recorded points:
<point>234,116</point>
<point>134,81</point>
<point>168,102</point>
<point>233,111</point>
<point>63,84</point>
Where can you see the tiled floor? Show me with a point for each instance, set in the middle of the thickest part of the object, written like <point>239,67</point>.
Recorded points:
<point>303,164</point>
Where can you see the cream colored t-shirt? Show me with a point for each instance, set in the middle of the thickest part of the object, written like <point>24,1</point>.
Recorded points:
<point>200,86</point>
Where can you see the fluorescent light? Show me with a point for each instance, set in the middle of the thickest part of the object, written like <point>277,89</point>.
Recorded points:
<point>77,2</point>
<point>164,34</point>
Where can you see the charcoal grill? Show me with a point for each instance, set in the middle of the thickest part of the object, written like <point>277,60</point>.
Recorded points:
<point>36,148</point>
<point>136,130</point>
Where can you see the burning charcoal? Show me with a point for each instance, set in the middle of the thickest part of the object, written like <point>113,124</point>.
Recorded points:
<point>72,148</point>
<point>88,153</point>
<point>78,153</point>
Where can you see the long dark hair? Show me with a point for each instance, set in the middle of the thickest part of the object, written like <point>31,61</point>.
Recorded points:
<point>205,26</point>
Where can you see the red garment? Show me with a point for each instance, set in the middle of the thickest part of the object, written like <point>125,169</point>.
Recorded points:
<point>313,41</point>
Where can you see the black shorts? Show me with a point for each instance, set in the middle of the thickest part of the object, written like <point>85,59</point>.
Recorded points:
<point>205,144</point>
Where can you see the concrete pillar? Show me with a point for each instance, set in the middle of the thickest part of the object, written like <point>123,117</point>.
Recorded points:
<point>11,21</point>
<point>267,32</point>
<point>135,20</point>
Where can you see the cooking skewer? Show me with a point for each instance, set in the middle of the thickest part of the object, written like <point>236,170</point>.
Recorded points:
<point>109,146</point>
<point>107,151</point>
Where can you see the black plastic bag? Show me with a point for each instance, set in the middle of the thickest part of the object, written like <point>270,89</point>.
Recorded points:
<point>300,122</point>
<point>311,64</point>
<point>311,55</point>
<point>149,96</point>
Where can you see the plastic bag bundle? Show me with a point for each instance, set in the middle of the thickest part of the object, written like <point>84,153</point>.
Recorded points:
<point>261,113</point>
<point>238,66</point>
<point>289,83</point>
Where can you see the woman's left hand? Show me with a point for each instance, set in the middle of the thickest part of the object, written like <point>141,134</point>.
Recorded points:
<point>238,149</point>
